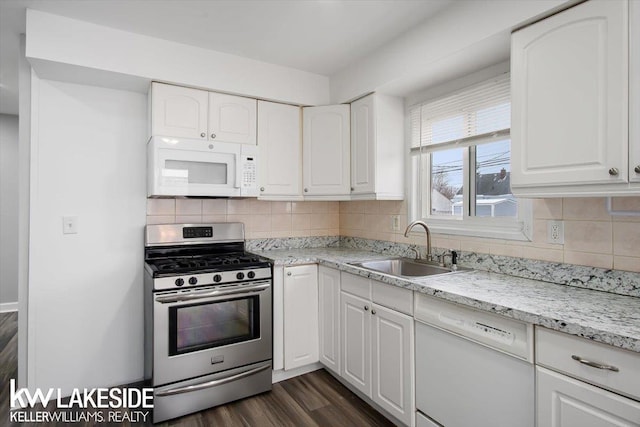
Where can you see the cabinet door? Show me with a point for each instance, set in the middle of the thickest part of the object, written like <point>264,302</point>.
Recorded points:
<point>363,139</point>
<point>356,342</point>
<point>634,91</point>
<point>392,362</point>
<point>569,80</point>
<point>280,149</point>
<point>329,317</point>
<point>232,118</point>
<point>178,111</point>
<point>300,316</point>
<point>565,402</point>
<point>325,150</point>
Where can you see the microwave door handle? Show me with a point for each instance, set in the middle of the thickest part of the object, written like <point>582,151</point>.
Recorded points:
<point>238,172</point>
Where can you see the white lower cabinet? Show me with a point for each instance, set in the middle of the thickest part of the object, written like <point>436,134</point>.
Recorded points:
<point>566,402</point>
<point>300,315</point>
<point>356,342</point>
<point>377,347</point>
<point>392,362</point>
<point>581,383</point>
<point>329,317</point>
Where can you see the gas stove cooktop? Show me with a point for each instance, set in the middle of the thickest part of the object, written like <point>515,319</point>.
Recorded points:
<point>189,255</point>
<point>206,263</point>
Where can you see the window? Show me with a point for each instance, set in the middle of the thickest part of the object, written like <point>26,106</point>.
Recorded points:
<point>461,164</point>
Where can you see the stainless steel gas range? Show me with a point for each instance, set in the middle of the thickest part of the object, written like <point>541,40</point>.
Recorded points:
<point>208,316</point>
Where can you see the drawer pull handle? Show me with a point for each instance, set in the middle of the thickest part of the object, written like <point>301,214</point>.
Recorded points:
<point>594,364</point>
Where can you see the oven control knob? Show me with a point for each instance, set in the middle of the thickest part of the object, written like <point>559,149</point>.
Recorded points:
<point>251,275</point>
<point>240,276</point>
<point>193,280</point>
<point>179,282</point>
<point>217,278</point>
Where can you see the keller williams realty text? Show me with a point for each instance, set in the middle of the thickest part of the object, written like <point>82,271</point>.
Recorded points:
<point>81,400</point>
<point>76,417</point>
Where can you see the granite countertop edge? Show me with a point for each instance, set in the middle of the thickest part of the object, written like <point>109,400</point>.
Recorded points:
<point>576,311</point>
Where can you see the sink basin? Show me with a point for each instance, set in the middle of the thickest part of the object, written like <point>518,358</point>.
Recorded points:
<point>402,267</point>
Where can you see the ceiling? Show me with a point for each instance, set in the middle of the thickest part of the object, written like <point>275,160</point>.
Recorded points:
<point>319,36</point>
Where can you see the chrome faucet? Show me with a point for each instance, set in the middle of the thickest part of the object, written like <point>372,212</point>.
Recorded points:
<point>426,228</point>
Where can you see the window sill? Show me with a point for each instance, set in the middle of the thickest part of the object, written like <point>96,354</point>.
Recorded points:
<point>500,229</point>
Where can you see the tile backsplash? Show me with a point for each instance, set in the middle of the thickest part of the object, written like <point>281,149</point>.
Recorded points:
<point>262,219</point>
<point>592,237</point>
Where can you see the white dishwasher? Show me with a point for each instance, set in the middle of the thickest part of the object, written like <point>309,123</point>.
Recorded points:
<point>473,368</point>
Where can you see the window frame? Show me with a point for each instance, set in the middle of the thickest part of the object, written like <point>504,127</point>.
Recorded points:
<point>419,185</point>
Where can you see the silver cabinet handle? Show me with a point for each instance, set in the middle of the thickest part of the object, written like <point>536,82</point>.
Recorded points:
<point>261,188</point>
<point>613,171</point>
<point>213,383</point>
<point>306,190</point>
<point>213,135</point>
<point>637,169</point>
<point>288,273</point>
<point>366,308</point>
<point>594,364</point>
<point>373,312</point>
<point>203,134</point>
<point>352,188</point>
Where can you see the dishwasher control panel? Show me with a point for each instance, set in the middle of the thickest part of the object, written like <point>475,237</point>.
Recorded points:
<point>500,333</point>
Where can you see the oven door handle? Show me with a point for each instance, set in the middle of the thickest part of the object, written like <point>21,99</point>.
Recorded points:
<point>214,383</point>
<point>195,296</point>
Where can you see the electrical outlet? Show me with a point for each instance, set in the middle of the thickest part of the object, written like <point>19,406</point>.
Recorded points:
<point>395,222</point>
<point>555,232</point>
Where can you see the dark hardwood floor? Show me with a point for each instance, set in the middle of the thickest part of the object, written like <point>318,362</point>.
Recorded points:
<point>314,399</point>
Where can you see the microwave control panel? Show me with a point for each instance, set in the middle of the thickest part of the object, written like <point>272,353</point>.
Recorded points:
<point>249,171</point>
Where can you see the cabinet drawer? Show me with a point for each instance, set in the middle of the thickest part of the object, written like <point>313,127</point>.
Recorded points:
<point>557,350</point>
<point>356,285</point>
<point>399,299</point>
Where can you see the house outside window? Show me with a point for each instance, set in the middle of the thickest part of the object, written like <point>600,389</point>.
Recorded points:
<point>460,155</point>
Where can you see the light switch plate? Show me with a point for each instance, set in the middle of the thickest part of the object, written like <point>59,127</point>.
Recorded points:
<point>555,232</point>
<point>69,224</point>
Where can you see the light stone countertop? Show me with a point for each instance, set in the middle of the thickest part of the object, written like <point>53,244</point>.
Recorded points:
<point>599,316</point>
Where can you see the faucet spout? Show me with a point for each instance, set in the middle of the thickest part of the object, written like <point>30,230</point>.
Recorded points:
<point>426,229</point>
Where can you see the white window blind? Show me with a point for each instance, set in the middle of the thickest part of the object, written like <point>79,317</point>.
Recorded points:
<point>478,111</point>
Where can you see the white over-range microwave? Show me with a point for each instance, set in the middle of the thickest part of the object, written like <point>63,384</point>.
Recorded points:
<point>191,167</point>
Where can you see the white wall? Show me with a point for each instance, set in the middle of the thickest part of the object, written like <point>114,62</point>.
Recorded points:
<point>24,166</point>
<point>85,290</point>
<point>443,47</point>
<point>85,46</point>
<point>8,212</point>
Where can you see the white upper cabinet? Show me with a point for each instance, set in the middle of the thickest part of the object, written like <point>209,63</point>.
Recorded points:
<point>570,91</point>
<point>232,118</point>
<point>634,91</point>
<point>377,148</point>
<point>280,151</point>
<point>178,111</point>
<point>325,151</point>
<point>192,113</point>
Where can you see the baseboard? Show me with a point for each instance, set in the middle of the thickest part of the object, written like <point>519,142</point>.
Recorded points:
<point>8,307</point>
<point>282,375</point>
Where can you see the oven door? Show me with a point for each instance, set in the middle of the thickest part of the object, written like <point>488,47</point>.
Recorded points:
<point>202,331</point>
<point>180,167</point>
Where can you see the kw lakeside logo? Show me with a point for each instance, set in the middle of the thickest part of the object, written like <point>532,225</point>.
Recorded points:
<point>122,404</point>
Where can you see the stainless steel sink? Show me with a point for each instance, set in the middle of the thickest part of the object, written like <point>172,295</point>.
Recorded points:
<point>403,267</point>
